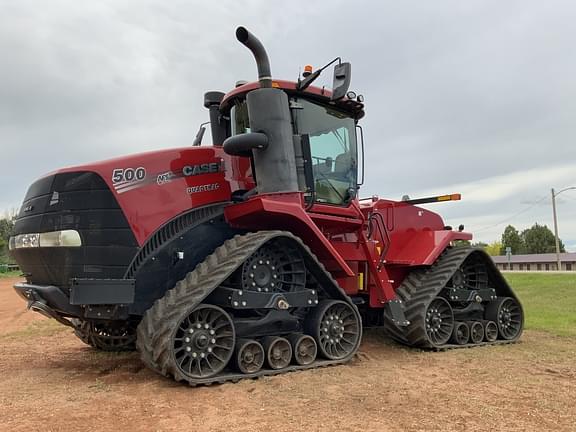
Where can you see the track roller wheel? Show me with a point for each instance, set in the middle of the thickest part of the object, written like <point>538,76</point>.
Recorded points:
<point>507,313</point>
<point>278,352</point>
<point>461,333</point>
<point>304,349</point>
<point>490,331</point>
<point>203,342</point>
<point>439,321</point>
<point>476,332</point>
<point>336,327</point>
<point>249,356</point>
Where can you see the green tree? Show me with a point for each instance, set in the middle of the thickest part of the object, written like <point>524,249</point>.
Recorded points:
<point>6,227</point>
<point>539,239</point>
<point>494,248</point>
<point>511,238</point>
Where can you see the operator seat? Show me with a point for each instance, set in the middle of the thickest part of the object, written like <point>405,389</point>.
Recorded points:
<point>343,167</point>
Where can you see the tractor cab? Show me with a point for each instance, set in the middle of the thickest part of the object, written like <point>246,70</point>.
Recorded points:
<point>300,139</point>
<point>325,128</point>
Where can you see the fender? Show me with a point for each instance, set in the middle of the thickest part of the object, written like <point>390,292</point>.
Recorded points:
<point>423,247</point>
<point>284,211</point>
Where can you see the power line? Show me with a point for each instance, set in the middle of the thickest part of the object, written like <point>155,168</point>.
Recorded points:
<point>513,216</point>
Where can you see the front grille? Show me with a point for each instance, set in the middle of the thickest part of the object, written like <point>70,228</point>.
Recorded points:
<point>81,201</point>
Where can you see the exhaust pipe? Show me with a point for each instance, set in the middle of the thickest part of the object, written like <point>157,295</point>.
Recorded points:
<point>262,63</point>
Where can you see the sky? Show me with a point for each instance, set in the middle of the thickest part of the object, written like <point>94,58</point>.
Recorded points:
<point>475,97</point>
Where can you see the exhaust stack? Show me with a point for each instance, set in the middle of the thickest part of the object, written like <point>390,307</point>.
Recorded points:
<point>255,46</point>
<point>271,142</point>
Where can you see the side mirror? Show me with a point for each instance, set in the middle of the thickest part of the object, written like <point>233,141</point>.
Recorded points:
<point>198,140</point>
<point>341,81</point>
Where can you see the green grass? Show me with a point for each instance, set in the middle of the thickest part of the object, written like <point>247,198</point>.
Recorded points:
<point>549,300</point>
<point>10,274</point>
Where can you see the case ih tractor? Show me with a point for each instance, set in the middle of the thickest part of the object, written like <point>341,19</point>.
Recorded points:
<point>253,256</point>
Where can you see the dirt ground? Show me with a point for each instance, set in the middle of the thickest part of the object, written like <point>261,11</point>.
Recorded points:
<point>50,381</point>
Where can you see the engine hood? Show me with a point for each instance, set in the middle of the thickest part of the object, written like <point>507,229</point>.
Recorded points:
<point>154,187</point>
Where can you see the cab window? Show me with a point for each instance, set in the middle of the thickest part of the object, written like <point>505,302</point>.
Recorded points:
<point>239,115</point>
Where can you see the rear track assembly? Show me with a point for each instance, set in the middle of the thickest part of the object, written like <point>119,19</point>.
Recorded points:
<point>427,296</point>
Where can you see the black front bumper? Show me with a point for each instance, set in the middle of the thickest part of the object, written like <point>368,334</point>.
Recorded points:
<point>48,300</point>
<point>50,295</point>
<point>89,299</point>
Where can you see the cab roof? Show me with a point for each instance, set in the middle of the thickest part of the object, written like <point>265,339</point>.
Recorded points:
<point>355,108</point>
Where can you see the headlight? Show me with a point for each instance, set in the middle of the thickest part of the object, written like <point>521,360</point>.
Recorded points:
<point>65,238</point>
<point>27,241</point>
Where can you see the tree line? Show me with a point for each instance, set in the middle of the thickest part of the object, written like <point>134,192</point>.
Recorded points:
<point>6,226</point>
<point>537,239</point>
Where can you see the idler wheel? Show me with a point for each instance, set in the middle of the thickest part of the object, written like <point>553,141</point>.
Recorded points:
<point>439,321</point>
<point>336,327</point>
<point>203,342</point>
<point>507,313</point>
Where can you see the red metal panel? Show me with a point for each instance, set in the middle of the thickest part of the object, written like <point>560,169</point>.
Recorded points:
<point>285,212</point>
<point>422,248</point>
<point>166,190</point>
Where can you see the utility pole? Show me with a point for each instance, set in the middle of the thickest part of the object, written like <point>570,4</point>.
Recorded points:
<point>554,195</point>
<point>558,263</point>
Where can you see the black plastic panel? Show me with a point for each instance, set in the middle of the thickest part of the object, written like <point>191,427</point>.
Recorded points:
<point>80,201</point>
<point>102,291</point>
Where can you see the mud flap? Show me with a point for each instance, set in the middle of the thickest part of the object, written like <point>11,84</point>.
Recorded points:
<point>395,311</point>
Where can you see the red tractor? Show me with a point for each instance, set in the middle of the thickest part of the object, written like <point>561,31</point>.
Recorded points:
<point>253,256</point>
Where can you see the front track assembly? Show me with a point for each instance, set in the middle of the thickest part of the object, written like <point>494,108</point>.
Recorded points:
<point>460,301</point>
<point>247,311</point>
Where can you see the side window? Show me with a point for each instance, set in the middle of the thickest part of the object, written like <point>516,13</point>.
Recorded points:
<point>239,115</point>
<point>332,136</point>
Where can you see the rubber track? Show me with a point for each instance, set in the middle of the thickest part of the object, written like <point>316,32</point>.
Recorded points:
<point>155,330</point>
<point>421,287</point>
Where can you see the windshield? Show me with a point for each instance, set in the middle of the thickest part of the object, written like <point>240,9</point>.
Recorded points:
<point>332,137</point>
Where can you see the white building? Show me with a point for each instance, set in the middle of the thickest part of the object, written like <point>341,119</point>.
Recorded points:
<point>536,262</point>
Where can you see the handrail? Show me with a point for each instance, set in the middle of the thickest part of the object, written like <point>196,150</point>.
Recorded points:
<point>381,225</point>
